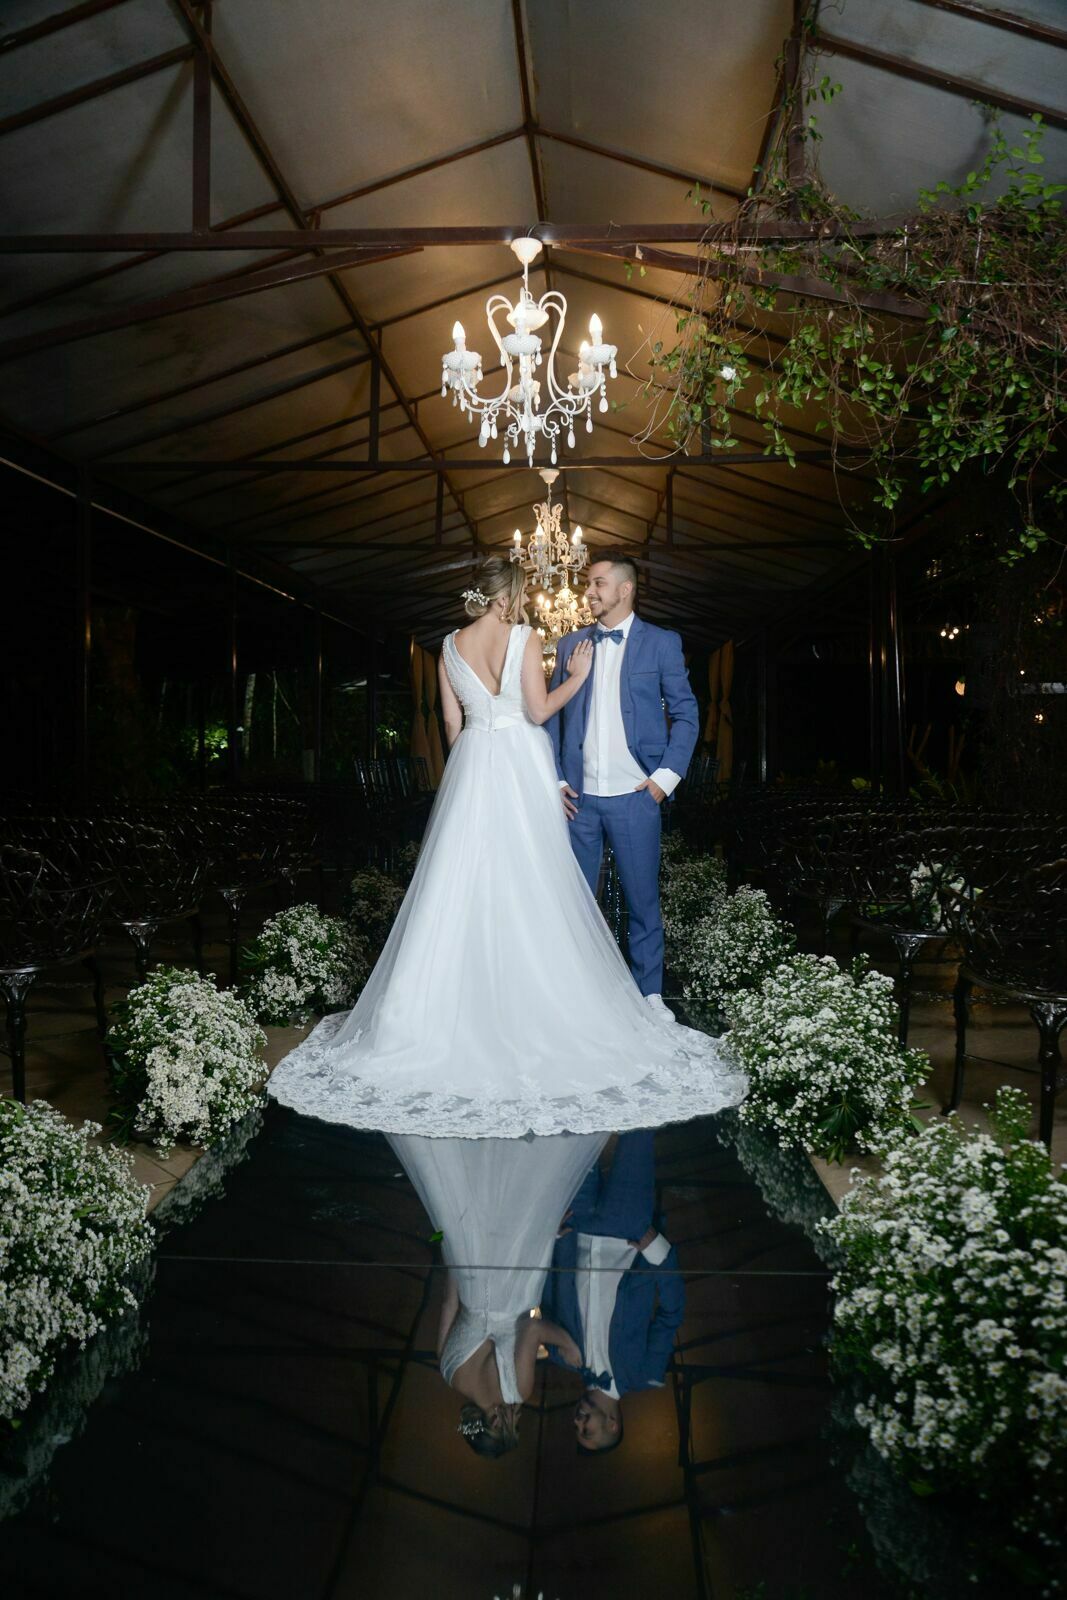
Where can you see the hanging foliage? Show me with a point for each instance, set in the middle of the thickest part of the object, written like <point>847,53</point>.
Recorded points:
<point>927,342</point>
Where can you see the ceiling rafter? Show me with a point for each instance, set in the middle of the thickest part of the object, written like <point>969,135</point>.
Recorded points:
<point>247,124</point>
<point>936,78</point>
<point>307,434</point>
<point>93,91</point>
<point>56,22</point>
<point>1028,27</point>
<point>163,396</point>
<point>214,292</point>
<point>274,391</point>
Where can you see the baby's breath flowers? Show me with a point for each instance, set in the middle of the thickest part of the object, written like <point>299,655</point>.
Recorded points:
<point>952,1311</point>
<point>731,948</point>
<point>185,1060</point>
<point>304,962</point>
<point>72,1228</point>
<point>824,1067</point>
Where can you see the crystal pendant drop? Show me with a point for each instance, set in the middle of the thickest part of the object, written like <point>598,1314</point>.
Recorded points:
<point>506,456</point>
<point>570,439</point>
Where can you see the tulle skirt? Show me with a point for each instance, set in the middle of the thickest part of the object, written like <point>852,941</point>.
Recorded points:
<point>501,1004</point>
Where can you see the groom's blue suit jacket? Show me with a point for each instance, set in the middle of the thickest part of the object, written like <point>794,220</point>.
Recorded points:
<point>642,1333</point>
<point>653,675</point>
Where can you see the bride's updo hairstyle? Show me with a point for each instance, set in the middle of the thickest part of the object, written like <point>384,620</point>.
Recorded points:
<point>498,578</point>
<point>474,1426</point>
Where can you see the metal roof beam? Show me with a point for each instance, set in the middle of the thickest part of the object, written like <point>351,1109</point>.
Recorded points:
<point>54,23</point>
<point>936,78</point>
<point>182,300</point>
<point>564,235</point>
<point>1028,27</point>
<point>300,217</point>
<point>161,396</point>
<point>438,463</point>
<point>92,91</point>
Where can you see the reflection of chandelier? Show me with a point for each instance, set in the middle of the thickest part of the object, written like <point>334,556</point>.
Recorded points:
<point>551,553</point>
<point>516,408</point>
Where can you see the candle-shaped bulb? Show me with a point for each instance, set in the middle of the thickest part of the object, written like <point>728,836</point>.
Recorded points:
<point>518,537</point>
<point>459,335</point>
<point>576,537</point>
<point>596,329</point>
<point>583,352</point>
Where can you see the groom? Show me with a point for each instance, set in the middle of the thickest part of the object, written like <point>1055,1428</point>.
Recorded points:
<point>616,1290</point>
<point>618,757</point>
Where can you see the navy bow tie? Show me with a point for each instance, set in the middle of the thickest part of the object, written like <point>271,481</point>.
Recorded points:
<point>595,1380</point>
<point>608,633</point>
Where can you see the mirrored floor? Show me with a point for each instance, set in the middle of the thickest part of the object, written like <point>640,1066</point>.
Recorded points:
<point>273,1423</point>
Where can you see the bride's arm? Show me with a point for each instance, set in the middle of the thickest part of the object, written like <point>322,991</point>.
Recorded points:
<point>543,703</point>
<point>449,1308</point>
<point>552,1333</point>
<point>450,706</point>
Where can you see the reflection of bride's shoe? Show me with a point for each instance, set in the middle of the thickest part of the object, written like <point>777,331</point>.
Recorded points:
<point>661,1009</point>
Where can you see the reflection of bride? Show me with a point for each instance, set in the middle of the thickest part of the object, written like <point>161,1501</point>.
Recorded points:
<point>498,1203</point>
<point>459,1031</point>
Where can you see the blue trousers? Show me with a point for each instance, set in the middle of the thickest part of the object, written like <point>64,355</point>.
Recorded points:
<point>631,824</point>
<point>619,1206</point>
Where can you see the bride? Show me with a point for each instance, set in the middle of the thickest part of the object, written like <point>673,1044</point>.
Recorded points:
<point>501,1005</point>
<point>498,1203</point>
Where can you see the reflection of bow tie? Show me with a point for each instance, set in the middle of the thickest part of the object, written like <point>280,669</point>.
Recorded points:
<point>608,633</point>
<point>595,1380</point>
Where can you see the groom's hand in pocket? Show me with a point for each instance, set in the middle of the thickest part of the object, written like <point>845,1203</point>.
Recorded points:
<point>658,794</point>
<point>570,799</point>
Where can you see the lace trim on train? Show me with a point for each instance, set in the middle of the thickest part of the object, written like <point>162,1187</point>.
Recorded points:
<point>700,1080</point>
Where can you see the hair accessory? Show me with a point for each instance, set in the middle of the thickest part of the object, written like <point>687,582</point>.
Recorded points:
<point>476,595</point>
<point>472,1427</point>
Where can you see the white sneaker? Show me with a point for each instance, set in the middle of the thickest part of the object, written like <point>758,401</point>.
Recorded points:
<point>661,1009</point>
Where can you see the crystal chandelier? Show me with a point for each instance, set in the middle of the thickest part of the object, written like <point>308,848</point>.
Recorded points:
<point>551,553</point>
<point>558,614</point>
<point>516,411</point>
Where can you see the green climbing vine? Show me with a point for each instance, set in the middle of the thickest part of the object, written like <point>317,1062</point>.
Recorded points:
<point>924,347</point>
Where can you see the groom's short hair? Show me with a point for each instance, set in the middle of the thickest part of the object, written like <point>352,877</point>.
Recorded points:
<point>623,564</point>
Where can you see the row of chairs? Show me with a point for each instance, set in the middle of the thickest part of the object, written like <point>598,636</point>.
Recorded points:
<point>66,875</point>
<point>982,892</point>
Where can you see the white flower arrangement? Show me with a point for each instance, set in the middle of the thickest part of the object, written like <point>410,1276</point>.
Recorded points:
<point>952,1309</point>
<point>371,903</point>
<point>824,1067</point>
<point>72,1229</point>
<point>731,948</point>
<point>934,892</point>
<point>303,962</point>
<point>691,887</point>
<point>185,1060</point>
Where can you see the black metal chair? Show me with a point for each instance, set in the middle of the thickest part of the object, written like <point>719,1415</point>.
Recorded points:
<point>1015,947</point>
<point>46,920</point>
<point>156,883</point>
<point>912,892</point>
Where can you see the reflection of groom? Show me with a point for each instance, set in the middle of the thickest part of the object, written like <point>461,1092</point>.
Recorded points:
<point>616,1290</point>
<point>617,760</point>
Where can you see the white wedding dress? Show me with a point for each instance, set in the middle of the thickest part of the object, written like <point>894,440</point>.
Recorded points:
<point>501,1004</point>
<point>498,1203</point>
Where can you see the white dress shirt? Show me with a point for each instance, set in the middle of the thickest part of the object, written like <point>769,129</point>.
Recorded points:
<point>609,766</point>
<point>601,1263</point>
